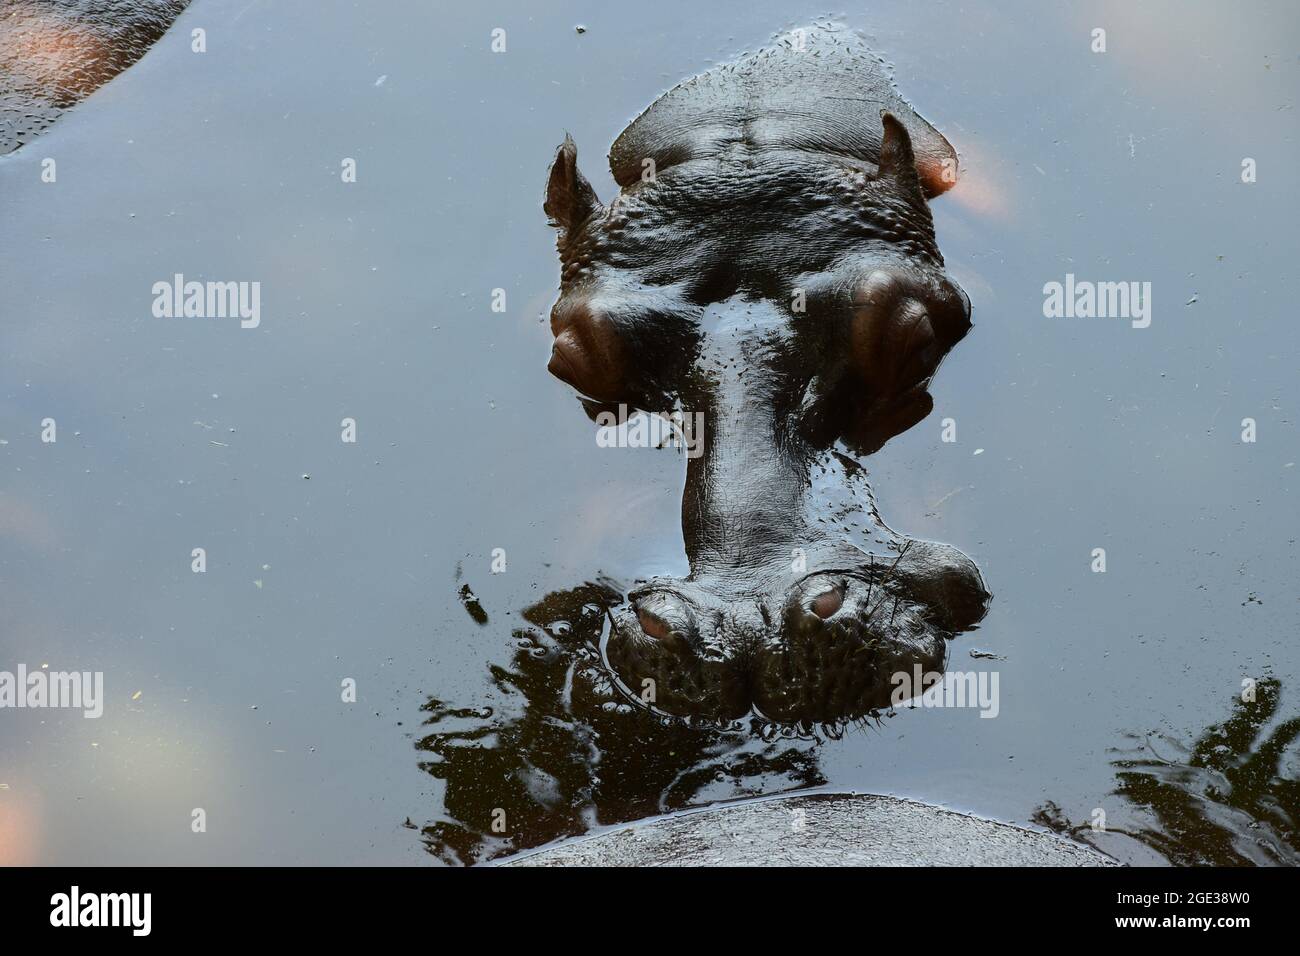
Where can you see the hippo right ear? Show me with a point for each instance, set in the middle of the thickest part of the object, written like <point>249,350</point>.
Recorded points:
<point>897,160</point>
<point>570,200</point>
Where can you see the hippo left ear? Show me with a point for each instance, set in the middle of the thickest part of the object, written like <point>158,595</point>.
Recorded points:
<point>897,161</point>
<point>570,200</point>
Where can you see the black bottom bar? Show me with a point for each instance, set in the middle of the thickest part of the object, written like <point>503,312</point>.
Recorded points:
<point>262,905</point>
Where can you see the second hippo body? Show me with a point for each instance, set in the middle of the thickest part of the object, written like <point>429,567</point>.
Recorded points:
<point>54,53</point>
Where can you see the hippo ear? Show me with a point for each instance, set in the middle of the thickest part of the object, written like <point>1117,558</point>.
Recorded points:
<point>897,161</point>
<point>570,200</point>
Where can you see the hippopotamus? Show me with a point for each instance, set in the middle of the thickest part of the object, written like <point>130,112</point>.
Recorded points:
<point>54,53</point>
<point>771,262</point>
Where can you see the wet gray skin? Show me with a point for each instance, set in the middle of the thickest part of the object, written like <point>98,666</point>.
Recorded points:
<point>778,273</point>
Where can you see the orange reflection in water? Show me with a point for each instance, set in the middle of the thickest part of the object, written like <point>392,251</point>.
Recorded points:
<point>20,823</point>
<point>980,189</point>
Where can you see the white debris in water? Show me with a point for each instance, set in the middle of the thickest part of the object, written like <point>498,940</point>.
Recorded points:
<point>380,81</point>
<point>979,451</point>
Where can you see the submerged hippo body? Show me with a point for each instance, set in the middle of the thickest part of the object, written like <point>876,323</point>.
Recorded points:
<point>54,53</point>
<point>771,262</point>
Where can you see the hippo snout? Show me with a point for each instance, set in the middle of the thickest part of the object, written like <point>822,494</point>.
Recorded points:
<point>820,650</point>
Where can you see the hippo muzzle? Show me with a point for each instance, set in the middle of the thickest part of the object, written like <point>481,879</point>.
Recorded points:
<point>819,647</point>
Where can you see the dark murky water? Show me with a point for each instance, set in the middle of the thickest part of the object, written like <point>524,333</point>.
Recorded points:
<point>328,561</point>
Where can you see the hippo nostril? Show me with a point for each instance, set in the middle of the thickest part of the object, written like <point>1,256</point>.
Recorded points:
<point>654,626</point>
<point>827,603</point>
<point>667,619</point>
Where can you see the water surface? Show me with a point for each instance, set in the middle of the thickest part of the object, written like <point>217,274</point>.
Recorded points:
<point>329,560</point>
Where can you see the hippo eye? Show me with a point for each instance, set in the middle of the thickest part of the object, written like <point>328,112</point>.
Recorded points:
<point>653,626</point>
<point>827,603</point>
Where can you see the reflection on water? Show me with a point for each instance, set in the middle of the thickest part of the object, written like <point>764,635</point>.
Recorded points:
<point>1230,799</point>
<point>554,749</point>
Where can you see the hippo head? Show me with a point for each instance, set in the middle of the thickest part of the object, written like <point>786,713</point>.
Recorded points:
<point>797,305</point>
